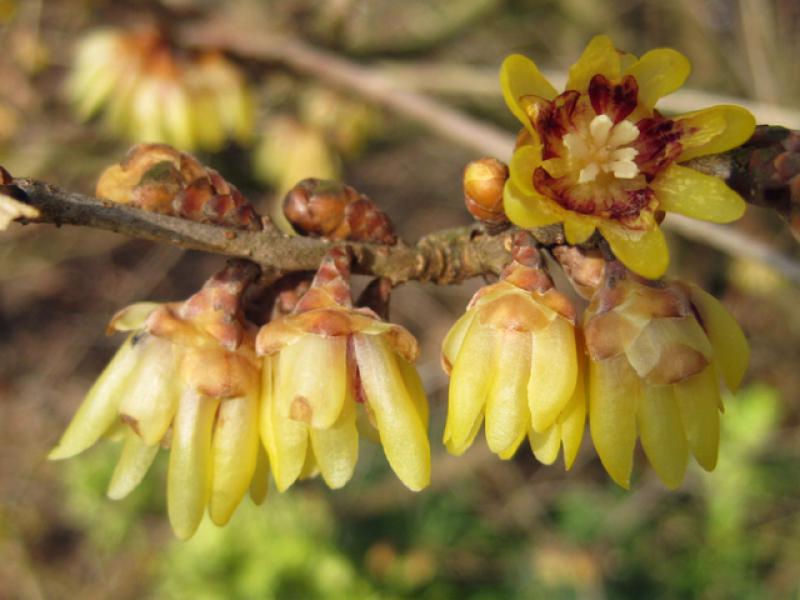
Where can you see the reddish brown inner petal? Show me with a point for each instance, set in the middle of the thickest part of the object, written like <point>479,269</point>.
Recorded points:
<point>617,101</point>
<point>658,145</point>
<point>555,119</point>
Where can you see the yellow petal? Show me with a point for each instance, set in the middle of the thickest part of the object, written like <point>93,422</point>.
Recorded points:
<point>525,160</point>
<point>659,72</point>
<point>572,420</point>
<point>715,130</point>
<point>234,453</point>
<point>731,350</point>
<point>662,434</point>
<point>287,447</point>
<point>98,411</point>
<point>336,448</point>
<point>189,477</point>
<point>554,370</point>
<point>698,401</point>
<point>692,193</point>
<point>519,76</point>
<point>578,229</point>
<point>403,436</point>
<point>454,339</point>
<point>286,441</point>
<point>133,464</point>
<point>260,485</point>
<point>469,383</point>
<point>507,403</point>
<point>546,444</point>
<point>151,395</point>
<point>416,391</point>
<point>599,57</point>
<point>614,396</point>
<point>528,212</point>
<point>312,379</point>
<point>643,252</point>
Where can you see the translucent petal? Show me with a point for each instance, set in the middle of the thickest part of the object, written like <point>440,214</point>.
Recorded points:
<point>311,380</point>
<point>658,73</point>
<point>669,349</point>
<point>731,350</point>
<point>525,160</point>
<point>454,339</point>
<point>519,76</point>
<point>546,444</point>
<point>234,452</point>
<point>189,477</point>
<point>403,435</point>
<point>599,57</point>
<point>694,194</point>
<point>133,464</point>
<point>661,431</point>
<point>260,484</point>
<point>133,316</point>
<point>554,370</point>
<point>150,399</point>
<point>528,211</point>
<point>698,401</point>
<point>643,252</point>
<point>614,396</point>
<point>507,403</point>
<point>715,130</point>
<point>98,411</point>
<point>469,383</point>
<point>578,230</point>
<point>572,420</point>
<point>336,448</point>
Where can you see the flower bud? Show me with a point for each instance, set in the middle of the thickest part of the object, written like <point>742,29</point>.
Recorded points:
<point>159,178</point>
<point>336,211</point>
<point>323,365</point>
<point>12,204</point>
<point>512,357</point>
<point>655,353</point>
<point>187,378</point>
<point>484,181</point>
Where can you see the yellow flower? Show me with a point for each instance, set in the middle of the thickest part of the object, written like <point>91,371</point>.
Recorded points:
<point>600,156</point>
<point>149,92</point>
<point>512,357</point>
<point>655,354</point>
<point>325,363</point>
<point>187,378</point>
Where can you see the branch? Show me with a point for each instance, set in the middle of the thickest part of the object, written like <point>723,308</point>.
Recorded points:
<point>444,257</point>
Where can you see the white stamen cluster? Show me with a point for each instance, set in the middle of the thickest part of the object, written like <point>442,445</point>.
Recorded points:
<point>604,148</point>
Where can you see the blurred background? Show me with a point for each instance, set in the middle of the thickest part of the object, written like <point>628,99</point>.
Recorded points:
<point>485,528</point>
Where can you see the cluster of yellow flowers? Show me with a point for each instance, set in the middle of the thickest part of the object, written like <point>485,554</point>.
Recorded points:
<point>150,91</point>
<point>199,378</point>
<point>234,402</point>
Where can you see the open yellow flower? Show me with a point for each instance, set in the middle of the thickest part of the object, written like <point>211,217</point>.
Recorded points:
<point>323,365</point>
<point>600,156</point>
<point>512,359</point>
<point>655,354</point>
<point>187,378</point>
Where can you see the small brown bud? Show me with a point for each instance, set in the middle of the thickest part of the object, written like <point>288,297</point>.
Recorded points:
<point>336,211</point>
<point>484,180</point>
<point>159,178</point>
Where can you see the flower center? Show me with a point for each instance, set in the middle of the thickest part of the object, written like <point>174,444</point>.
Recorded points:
<point>603,147</point>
